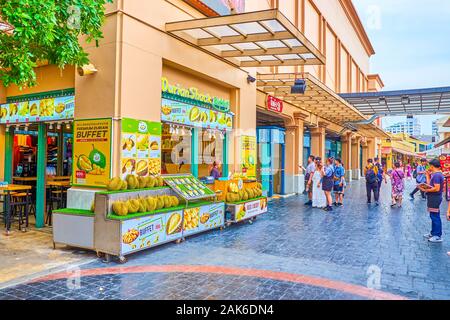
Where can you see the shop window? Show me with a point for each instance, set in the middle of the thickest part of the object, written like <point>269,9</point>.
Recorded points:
<point>176,149</point>
<point>210,150</point>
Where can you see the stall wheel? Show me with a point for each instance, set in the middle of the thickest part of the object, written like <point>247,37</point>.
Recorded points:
<point>107,258</point>
<point>250,221</point>
<point>54,246</point>
<point>228,224</point>
<point>178,241</point>
<point>99,254</point>
<point>122,259</point>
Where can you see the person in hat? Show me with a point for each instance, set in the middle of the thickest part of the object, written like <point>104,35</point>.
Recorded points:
<point>381,175</point>
<point>434,189</point>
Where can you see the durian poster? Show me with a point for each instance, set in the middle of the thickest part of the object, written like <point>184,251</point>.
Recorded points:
<point>92,152</point>
<point>140,147</point>
<point>248,156</point>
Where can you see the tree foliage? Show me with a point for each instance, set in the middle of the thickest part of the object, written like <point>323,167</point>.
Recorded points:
<point>46,30</point>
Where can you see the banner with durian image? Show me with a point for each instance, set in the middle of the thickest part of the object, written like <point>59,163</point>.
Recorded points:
<point>248,156</point>
<point>92,152</point>
<point>189,115</point>
<point>49,109</point>
<point>140,148</point>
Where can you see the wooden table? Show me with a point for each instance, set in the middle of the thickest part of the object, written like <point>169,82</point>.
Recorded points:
<point>7,190</point>
<point>58,178</point>
<point>25,179</point>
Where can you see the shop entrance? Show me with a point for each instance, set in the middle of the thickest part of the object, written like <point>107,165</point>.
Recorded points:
<point>39,155</point>
<point>271,153</point>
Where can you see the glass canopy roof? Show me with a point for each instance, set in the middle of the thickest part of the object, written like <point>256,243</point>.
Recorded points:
<point>403,102</point>
<point>254,39</point>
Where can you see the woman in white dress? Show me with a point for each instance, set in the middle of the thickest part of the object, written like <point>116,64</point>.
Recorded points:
<point>318,196</point>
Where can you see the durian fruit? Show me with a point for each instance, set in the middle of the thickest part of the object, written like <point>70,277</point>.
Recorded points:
<point>132,181</point>
<point>142,205</point>
<point>120,208</point>
<point>114,184</point>
<point>175,201</point>
<point>250,194</point>
<point>142,182</point>
<point>151,182</point>
<point>124,185</point>
<point>245,195</point>
<point>229,198</point>
<point>241,195</point>
<point>151,204</point>
<point>133,206</point>
<point>167,202</point>
<point>160,203</point>
<point>160,182</point>
<point>259,185</point>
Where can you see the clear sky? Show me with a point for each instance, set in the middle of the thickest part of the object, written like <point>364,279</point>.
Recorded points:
<point>412,43</point>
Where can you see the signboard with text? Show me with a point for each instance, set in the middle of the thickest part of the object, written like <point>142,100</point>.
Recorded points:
<point>274,104</point>
<point>248,155</point>
<point>92,152</point>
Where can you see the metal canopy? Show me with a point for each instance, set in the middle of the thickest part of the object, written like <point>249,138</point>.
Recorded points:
<point>253,39</point>
<point>318,99</point>
<point>403,102</point>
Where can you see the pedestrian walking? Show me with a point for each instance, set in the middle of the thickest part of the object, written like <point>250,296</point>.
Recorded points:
<point>328,183</point>
<point>318,197</point>
<point>434,189</point>
<point>420,178</point>
<point>408,172</point>
<point>381,176</point>
<point>371,175</point>
<point>310,168</point>
<point>398,185</point>
<point>339,183</point>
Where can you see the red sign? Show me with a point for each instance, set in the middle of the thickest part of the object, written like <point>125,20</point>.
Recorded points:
<point>274,104</point>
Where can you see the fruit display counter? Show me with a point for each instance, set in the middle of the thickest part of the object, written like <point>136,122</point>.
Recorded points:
<point>244,199</point>
<point>138,213</point>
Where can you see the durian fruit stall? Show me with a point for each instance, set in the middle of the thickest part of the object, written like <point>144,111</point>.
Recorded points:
<point>138,213</point>
<point>244,198</point>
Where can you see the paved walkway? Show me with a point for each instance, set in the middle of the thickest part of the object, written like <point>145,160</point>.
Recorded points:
<point>292,252</point>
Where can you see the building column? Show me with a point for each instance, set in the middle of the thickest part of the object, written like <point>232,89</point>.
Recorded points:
<point>294,177</point>
<point>356,158</point>
<point>346,140</point>
<point>372,149</point>
<point>318,140</point>
<point>365,151</point>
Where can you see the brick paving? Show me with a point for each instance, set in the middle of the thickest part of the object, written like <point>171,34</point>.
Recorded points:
<point>342,246</point>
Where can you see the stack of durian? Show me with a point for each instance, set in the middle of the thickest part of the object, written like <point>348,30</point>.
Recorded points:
<point>133,182</point>
<point>234,195</point>
<point>144,205</point>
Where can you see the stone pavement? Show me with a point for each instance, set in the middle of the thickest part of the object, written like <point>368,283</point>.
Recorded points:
<point>26,254</point>
<point>292,252</point>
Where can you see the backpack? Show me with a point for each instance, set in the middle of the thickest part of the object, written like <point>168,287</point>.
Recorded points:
<point>371,177</point>
<point>415,174</point>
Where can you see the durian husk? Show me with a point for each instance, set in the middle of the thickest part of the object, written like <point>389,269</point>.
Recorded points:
<point>120,208</point>
<point>142,181</point>
<point>114,184</point>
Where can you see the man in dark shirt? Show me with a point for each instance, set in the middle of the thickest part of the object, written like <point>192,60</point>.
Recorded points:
<point>434,190</point>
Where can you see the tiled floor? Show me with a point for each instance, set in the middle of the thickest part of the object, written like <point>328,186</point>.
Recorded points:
<point>313,254</point>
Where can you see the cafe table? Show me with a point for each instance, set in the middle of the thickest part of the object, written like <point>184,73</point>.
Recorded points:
<point>8,191</point>
<point>58,178</point>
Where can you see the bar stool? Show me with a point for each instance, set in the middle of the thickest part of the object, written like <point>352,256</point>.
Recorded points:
<point>54,197</point>
<point>19,206</point>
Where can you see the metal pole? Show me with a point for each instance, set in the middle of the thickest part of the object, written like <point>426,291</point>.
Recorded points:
<point>41,174</point>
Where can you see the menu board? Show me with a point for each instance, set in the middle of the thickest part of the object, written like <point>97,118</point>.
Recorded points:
<point>189,115</point>
<point>140,147</point>
<point>445,164</point>
<point>145,232</point>
<point>188,187</point>
<point>51,109</point>
<point>92,152</point>
<point>248,156</point>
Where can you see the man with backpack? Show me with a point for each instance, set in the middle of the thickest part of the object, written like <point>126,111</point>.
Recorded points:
<point>420,176</point>
<point>371,175</point>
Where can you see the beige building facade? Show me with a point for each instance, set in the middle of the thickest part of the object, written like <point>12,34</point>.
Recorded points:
<point>137,51</point>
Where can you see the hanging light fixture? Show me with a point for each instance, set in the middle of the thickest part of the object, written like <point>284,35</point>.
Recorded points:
<point>182,131</point>
<point>221,135</point>
<point>50,126</point>
<point>7,129</point>
<point>58,126</point>
<point>171,129</point>
<point>189,132</point>
<point>68,125</point>
<point>176,131</point>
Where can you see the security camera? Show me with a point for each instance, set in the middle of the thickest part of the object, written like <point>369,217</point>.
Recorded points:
<point>250,79</point>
